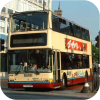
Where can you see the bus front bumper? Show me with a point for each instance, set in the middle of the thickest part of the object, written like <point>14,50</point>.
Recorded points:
<point>16,84</point>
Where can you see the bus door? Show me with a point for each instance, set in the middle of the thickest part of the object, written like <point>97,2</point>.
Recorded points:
<point>56,66</point>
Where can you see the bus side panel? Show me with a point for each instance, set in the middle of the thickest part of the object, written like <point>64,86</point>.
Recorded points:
<point>78,80</point>
<point>90,78</point>
<point>69,82</point>
<point>79,75</point>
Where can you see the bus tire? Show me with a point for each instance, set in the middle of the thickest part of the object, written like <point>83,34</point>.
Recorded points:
<point>64,82</point>
<point>86,77</point>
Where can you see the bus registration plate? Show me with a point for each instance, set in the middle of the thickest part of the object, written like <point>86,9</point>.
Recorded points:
<point>27,85</point>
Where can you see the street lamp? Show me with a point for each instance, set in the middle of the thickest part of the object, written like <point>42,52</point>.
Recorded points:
<point>43,5</point>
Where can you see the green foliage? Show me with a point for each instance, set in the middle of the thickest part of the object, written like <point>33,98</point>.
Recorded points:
<point>95,53</point>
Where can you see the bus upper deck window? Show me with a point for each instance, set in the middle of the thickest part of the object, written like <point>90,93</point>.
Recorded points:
<point>29,21</point>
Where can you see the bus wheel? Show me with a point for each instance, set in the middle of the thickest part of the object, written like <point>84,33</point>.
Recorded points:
<point>64,80</point>
<point>86,77</point>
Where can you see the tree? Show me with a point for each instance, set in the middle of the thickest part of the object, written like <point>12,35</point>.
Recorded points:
<point>95,53</point>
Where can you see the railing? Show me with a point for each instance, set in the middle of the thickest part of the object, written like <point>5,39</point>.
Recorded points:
<point>96,81</point>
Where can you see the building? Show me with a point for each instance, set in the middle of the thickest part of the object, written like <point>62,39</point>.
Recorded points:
<point>13,7</point>
<point>59,11</point>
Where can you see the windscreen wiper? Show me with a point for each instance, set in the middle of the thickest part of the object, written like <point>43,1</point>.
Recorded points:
<point>18,69</point>
<point>36,72</point>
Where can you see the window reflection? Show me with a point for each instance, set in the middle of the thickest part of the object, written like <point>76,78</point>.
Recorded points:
<point>63,26</point>
<point>30,61</point>
<point>74,61</point>
<point>29,22</point>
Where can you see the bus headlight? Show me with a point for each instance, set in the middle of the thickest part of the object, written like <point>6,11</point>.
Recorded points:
<point>50,80</point>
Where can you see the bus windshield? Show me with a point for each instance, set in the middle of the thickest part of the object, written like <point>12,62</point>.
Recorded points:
<point>30,61</point>
<point>29,21</point>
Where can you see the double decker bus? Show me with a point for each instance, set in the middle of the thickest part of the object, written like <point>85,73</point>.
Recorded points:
<point>47,51</point>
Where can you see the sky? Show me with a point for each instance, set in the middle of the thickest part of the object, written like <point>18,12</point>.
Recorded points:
<point>82,12</point>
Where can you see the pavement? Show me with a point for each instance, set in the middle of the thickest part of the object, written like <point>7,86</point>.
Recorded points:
<point>72,92</point>
<point>4,83</point>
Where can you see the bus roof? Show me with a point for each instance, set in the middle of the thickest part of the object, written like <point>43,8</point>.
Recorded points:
<point>69,21</point>
<point>29,12</point>
<point>48,11</point>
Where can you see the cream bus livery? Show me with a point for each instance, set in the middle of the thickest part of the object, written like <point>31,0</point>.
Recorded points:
<point>47,51</point>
